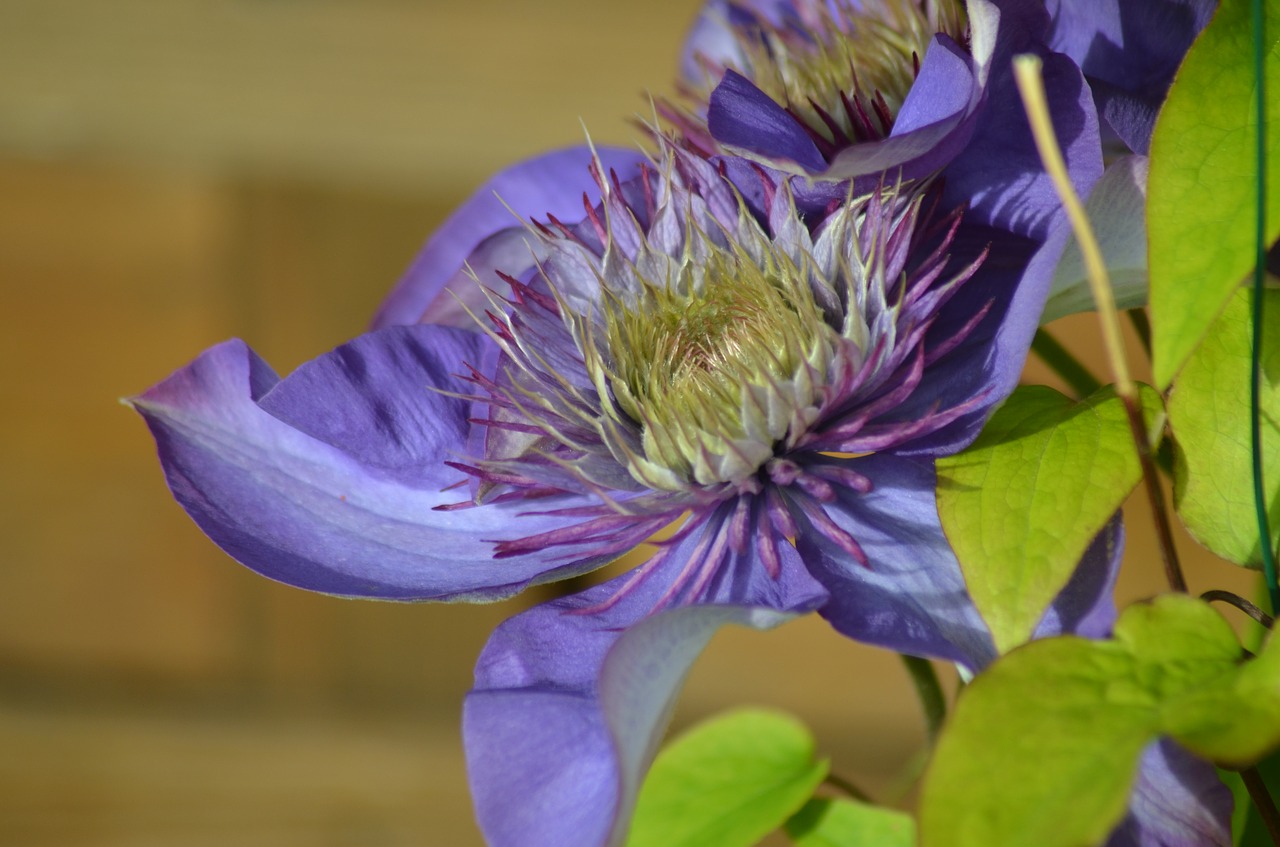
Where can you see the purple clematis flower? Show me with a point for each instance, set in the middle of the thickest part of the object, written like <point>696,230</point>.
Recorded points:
<point>781,384</point>
<point>845,90</point>
<point>1129,51</point>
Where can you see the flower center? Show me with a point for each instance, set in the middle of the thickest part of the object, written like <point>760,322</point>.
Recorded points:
<point>715,369</point>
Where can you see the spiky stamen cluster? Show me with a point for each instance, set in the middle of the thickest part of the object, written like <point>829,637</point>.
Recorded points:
<point>672,356</point>
<point>716,366</point>
<point>842,70</point>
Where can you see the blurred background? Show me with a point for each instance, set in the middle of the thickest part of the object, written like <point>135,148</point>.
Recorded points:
<point>174,172</point>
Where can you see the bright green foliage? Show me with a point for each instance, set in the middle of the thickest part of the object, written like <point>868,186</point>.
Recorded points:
<point>1043,746</point>
<point>1022,504</point>
<point>825,822</point>
<point>729,781</point>
<point>1200,196</point>
<point>1209,414</point>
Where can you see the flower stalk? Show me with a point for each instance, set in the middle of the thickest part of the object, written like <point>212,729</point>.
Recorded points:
<point>932,700</point>
<point>1031,87</point>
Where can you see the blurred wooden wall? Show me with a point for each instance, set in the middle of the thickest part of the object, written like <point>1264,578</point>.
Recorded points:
<point>174,172</point>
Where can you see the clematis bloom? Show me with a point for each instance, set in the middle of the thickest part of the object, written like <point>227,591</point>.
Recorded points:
<point>778,382</point>
<point>835,91</point>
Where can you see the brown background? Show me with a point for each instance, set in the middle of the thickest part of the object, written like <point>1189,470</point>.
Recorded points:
<point>173,172</point>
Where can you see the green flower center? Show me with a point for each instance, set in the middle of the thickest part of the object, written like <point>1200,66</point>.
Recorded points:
<point>716,368</point>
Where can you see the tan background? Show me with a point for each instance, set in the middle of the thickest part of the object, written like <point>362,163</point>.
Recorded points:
<point>173,172</point>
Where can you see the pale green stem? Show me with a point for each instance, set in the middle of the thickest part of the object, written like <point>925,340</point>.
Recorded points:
<point>932,700</point>
<point>1259,278</point>
<point>1031,87</point>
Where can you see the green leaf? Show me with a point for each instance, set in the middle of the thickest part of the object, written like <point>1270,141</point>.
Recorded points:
<point>1200,197</point>
<point>1044,745</point>
<point>729,781</point>
<point>1209,416</point>
<point>825,822</point>
<point>1022,504</point>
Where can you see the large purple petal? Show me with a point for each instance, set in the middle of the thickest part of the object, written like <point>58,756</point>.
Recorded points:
<point>979,372</point>
<point>1178,801</point>
<point>999,174</point>
<point>935,123</point>
<point>552,183</point>
<point>911,596</point>
<point>328,479</point>
<point>568,708</point>
<point>1129,50</point>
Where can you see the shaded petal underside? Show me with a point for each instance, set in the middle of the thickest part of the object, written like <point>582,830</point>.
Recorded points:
<point>569,708</point>
<point>911,596</point>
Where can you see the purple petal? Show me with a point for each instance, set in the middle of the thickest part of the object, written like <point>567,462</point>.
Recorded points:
<point>911,597</point>
<point>552,183</point>
<point>944,87</point>
<point>935,123</point>
<point>568,709</point>
<point>1012,284</point>
<point>1086,605</point>
<point>1129,50</point>
<point>742,116</point>
<point>327,480</point>
<point>1000,175</point>
<point>1178,801</point>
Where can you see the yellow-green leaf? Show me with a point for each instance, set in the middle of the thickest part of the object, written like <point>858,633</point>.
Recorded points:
<point>1043,746</point>
<point>729,782</point>
<point>1201,189</point>
<point>1022,504</point>
<point>1209,416</point>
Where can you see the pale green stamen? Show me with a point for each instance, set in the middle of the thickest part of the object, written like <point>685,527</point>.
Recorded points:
<point>717,370</point>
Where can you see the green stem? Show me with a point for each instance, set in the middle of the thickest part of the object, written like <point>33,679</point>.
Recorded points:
<point>1142,328</point>
<point>1065,365</point>
<point>1026,71</point>
<point>847,787</point>
<point>932,700</point>
<point>1231,598</point>
<point>1262,802</point>
<point>1259,300</point>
